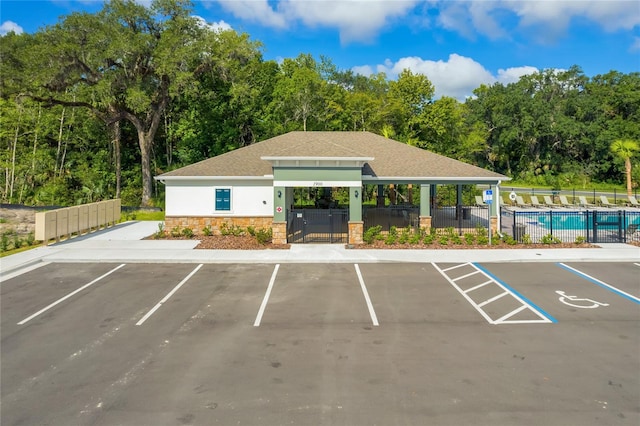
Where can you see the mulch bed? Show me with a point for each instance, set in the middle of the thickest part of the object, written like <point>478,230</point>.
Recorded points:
<point>246,242</point>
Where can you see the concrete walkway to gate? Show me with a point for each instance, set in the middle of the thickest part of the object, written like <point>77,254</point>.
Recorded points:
<point>125,243</point>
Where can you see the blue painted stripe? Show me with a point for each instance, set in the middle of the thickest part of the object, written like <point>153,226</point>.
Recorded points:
<point>514,291</point>
<point>599,283</point>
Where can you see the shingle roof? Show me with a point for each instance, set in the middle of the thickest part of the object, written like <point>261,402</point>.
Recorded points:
<point>391,159</point>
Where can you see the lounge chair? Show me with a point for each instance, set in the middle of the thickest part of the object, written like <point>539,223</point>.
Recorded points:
<point>480,202</point>
<point>549,202</point>
<point>535,202</point>
<point>605,201</point>
<point>633,201</point>
<point>564,201</point>
<point>520,202</point>
<point>583,201</point>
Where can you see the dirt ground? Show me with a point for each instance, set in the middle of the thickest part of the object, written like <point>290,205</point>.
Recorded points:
<point>21,220</point>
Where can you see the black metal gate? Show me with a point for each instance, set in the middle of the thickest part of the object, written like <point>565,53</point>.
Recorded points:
<point>606,226</point>
<point>318,226</point>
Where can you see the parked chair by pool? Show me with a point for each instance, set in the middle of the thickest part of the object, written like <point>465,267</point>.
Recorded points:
<point>535,202</point>
<point>583,201</point>
<point>605,201</point>
<point>633,201</point>
<point>520,202</point>
<point>564,202</point>
<point>480,202</point>
<point>549,202</point>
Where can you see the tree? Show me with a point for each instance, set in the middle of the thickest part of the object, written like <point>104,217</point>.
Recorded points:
<point>625,149</point>
<point>127,62</point>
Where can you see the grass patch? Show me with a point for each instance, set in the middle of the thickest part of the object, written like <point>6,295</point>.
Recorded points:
<point>142,215</point>
<point>18,250</point>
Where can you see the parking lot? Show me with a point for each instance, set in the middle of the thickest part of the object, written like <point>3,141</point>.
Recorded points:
<point>352,344</point>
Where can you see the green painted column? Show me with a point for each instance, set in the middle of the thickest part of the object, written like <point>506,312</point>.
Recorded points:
<point>425,201</point>
<point>493,208</point>
<point>355,204</point>
<point>279,204</point>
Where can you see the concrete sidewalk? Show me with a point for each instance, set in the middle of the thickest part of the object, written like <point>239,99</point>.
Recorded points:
<point>124,243</point>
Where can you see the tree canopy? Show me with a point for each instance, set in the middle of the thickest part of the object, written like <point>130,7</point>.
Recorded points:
<point>95,105</point>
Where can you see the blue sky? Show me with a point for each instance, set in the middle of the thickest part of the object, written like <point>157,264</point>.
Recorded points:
<point>457,44</point>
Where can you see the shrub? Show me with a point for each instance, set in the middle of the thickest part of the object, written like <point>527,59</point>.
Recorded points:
<point>371,234</point>
<point>187,232</point>
<point>455,239</point>
<point>392,236</point>
<point>206,231</point>
<point>526,239</point>
<point>235,230</point>
<point>508,239</point>
<point>581,239</point>
<point>264,236</point>
<point>443,239</point>
<point>17,241</point>
<point>550,239</point>
<point>429,238</point>
<point>175,231</point>
<point>160,232</point>
<point>482,239</point>
<point>469,238</point>
<point>31,239</point>
<point>404,235</point>
<point>251,231</point>
<point>4,242</point>
<point>415,237</point>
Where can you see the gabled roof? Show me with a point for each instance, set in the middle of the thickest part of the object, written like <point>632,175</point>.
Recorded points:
<point>391,159</point>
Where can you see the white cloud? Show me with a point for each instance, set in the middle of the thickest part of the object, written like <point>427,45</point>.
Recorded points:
<point>550,18</point>
<point>635,46</point>
<point>8,26</point>
<point>214,26</point>
<point>511,75</point>
<point>356,20</point>
<point>255,11</point>
<point>457,77</point>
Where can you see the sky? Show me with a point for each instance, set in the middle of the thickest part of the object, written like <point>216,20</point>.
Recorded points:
<point>457,44</point>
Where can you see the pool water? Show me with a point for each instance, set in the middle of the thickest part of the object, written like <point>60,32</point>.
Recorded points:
<point>575,220</point>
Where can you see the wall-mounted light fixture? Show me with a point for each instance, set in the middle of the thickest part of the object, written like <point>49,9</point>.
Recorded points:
<point>356,193</point>
<point>279,194</point>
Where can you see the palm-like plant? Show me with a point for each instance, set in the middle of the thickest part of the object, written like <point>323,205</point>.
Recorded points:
<point>625,149</point>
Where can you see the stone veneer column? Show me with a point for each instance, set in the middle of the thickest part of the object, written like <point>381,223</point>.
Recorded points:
<point>493,220</point>
<point>356,231</point>
<point>279,230</point>
<point>425,222</point>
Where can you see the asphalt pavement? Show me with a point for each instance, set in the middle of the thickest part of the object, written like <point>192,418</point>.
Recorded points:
<point>125,243</point>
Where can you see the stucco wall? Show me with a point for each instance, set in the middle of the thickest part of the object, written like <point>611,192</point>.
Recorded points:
<point>192,198</point>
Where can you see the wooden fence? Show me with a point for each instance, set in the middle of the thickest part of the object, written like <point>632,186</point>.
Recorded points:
<point>76,220</point>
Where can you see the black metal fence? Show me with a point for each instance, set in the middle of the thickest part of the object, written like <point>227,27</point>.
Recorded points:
<point>462,218</point>
<point>568,226</point>
<point>318,226</point>
<point>386,217</point>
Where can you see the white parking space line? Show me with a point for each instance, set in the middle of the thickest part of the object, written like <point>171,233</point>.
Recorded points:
<point>265,300</point>
<point>602,284</point>
<point>171,293</point>
<point>506,290</point>
<point>69,295</point>
<point>372,312</point>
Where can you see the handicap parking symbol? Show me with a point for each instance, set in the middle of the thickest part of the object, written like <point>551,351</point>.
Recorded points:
<point>582,303</point>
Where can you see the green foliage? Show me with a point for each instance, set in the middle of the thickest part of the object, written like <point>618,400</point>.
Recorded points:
<point>526,239</point>
<point>443,239</point>
<point>469,238</point>
<point>264,236</point>
<point>581,239</point>
<point>509,240</point>
<point>4,242</point>
<point>160,232</point>
<point>235,230</point>
<point>416,237</point>
<point>175,232</point>
<point>206,231</point>
<point>429,238</point>
<point>482,239</point>
<point>404,236</point>
<point>550,239</point>
<point>392,236</point>
<point>371,234</point>
<point>187,232</point>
